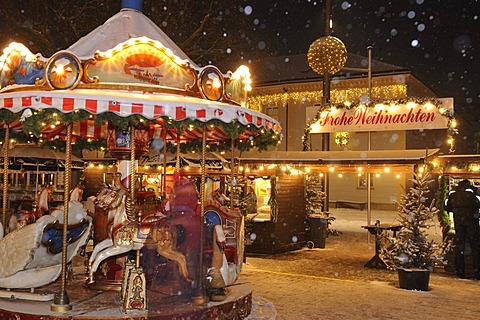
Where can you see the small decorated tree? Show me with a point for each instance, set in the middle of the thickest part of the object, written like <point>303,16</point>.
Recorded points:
<point>412,249</point>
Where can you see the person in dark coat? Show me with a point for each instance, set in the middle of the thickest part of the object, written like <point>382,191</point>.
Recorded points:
<point>464,202</point>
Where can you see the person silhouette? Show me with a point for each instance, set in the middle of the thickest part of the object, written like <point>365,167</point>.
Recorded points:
<point>464,203</point>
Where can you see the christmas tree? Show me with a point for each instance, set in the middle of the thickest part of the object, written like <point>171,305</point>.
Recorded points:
<point>412,249</point>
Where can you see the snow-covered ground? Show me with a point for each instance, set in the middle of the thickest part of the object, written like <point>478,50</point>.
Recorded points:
<point>332,283</point>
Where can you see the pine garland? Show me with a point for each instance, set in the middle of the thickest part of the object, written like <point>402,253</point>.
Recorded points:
<point>33,125</point>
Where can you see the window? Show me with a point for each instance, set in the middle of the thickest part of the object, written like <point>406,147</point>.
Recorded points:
<point>362,181</point>
<point>272,112</point>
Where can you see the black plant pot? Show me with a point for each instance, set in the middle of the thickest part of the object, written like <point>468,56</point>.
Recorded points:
<point>413,279</point>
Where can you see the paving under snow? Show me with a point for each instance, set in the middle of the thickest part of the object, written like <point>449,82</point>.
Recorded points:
<point>332,283</point>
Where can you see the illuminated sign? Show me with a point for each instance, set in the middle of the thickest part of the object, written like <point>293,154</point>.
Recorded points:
<point>383,117</point>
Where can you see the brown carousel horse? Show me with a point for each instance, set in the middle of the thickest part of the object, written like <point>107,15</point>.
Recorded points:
<point>127,233</point>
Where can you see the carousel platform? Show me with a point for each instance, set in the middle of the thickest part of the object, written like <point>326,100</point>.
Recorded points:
<point>93,304</point>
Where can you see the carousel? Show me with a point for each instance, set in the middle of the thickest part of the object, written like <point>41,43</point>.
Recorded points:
<point>128,88</point>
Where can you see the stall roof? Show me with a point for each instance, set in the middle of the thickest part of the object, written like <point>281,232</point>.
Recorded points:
<point>412,156</point>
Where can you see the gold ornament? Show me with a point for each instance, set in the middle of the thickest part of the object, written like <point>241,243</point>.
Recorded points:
<point>342,139</point>
<point>327,55</point>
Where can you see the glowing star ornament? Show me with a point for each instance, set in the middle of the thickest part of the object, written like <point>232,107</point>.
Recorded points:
<point>327,55</point>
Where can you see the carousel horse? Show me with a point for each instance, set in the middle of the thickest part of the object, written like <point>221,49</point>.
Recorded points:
<point>32,256</point>
<point>219,196</point>
<point>130,234</point>
<point>224,228</point>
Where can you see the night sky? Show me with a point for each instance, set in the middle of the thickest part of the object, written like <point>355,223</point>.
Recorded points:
<point>438,40</point>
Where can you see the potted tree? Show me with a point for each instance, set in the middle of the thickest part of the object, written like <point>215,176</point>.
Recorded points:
<point>411,252</point>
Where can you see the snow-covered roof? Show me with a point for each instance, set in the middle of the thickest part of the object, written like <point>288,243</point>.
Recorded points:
<point>124,25</point>
<point>295,68</point>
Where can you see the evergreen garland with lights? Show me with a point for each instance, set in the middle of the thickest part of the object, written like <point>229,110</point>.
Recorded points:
<point>412,249</point>
<point>34,123</point>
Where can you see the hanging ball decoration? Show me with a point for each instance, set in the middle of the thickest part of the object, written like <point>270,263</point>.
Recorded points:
<point>327,55</point>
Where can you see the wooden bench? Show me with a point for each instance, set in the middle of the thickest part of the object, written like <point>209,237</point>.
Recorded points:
<point>350,204</point>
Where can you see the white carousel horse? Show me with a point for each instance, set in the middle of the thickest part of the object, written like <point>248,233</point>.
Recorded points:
<point>128,234</point>
<point>31,256</point>
<point>223,272</point>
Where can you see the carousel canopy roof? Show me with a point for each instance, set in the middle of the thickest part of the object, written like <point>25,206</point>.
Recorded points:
<point>125,25</point>
<point>125,72</point>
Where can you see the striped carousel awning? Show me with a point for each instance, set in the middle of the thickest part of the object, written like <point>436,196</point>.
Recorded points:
<point>151,105</point>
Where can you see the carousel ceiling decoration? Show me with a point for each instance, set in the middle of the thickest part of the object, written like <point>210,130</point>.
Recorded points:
<point>136,81</point>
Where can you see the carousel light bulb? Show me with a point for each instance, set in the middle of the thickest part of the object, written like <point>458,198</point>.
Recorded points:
<point>58,69</point>
<point>261,168</point>
<point>331,169</point>
<point>91,165</point>
<point>100,166</point>
<point>398,176</point>
<point>340,175</point>
<point>377,175</point>
<point>359,169</point>
<point>283,168</point>
<point>307,169</point>
<point>321,175</point>
<point>387,169</point>
<point>453,124</point>
<point>475,168</point>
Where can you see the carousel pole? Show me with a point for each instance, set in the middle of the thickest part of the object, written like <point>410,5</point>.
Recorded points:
<point>177,158</point>
<point>134,295</point>
<point>6,146</point>
<point>132,163</point>
<point>61,303</point>
<point>164,171</point>
<point>232,172</point>
<point>200,297</point>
